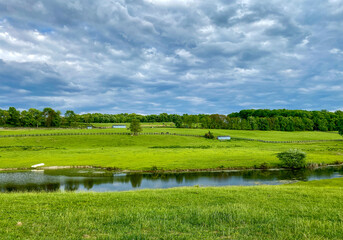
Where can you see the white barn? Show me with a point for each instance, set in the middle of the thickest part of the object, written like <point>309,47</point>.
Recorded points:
<point>224,138</point>
<point>118,126</point>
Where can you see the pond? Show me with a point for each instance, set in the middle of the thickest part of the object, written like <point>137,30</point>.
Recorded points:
<point>98,180</point>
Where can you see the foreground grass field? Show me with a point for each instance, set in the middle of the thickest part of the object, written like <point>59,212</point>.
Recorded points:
<point>300,211</point>
<point>165,152</point>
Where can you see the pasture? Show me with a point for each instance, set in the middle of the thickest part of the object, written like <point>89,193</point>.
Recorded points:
<point>162,152</point>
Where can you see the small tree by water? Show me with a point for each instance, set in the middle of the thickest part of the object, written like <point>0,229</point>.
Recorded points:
<point>292,158</point>
<point>135,126</point>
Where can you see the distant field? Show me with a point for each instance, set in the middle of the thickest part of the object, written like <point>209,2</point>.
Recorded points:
<point>140,152</point>
<point>263,135</point>
<point>144,124</point>
<point>298,211</point>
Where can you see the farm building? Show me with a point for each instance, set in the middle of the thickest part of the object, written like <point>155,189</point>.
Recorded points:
<point>224,138</point>
<point>118,126</point>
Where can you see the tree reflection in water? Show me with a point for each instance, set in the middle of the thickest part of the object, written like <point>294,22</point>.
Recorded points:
<point>31,181</point>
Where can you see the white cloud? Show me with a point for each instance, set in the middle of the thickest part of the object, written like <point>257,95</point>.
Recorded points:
<point>336,51</point>
<point>192,100</point>
<point>170,3</point>
<point>182,55</point>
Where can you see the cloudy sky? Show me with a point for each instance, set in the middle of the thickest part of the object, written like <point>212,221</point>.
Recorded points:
<point>174,56</point>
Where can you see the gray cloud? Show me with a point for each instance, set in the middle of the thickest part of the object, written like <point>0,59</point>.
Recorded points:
<point>181,56</point>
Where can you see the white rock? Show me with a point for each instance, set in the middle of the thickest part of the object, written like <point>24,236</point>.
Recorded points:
<point>37,165</point>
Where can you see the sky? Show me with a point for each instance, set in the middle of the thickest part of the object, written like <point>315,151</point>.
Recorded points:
<point>173,56</point>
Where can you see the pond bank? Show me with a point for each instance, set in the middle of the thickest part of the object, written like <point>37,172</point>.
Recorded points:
<point>153,170</point>
<point>97,180</point>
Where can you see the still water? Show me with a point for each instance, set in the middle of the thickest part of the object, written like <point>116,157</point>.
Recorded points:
<point>103,181</point>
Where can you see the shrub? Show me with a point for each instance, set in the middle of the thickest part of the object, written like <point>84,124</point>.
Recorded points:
<point>262,166</point>
<point>292,158</point>
<point>154,168</point>
<point>209,135</point>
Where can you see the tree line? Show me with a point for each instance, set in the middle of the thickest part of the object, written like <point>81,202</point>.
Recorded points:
<point>259,119</point>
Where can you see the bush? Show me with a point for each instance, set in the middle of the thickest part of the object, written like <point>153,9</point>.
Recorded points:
<point>209,135</point>
<point>292,158</point>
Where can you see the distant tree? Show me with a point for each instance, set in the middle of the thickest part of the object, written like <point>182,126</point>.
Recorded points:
<point>135,126</point>
<point>37,116</point>
<point>217,121</point>
<point>70,116</point>
<point>245,125</point>
<point>88,118</point>
<point>187,120</point>
<point>52,118</point>
<point>320,124</point>
<point>57,120</point>
<point>178,123</point>
<point>298,124</point>
<point>263,124</point>
<point>14,117</point>
<point>4,116</point>
<point>340,126</point>
<point>290,124</point>
<point>26,119</point>
<point>205,121</point>
<point>177,119</point>
<point>308,124</point>
<point>253,123</point>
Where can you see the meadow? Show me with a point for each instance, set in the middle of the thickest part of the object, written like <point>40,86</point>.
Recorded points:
<point>162,152</point>
<point>305,210</point>
<point>310,210</point>
<point>253,134</point>
<point>144,124</point>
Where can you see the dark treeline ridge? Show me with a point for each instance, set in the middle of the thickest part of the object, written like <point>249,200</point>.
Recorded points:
<point>260,119</point>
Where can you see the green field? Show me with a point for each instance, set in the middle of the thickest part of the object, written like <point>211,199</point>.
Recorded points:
<point>253,134</point>
<point>301,211</point>
<point>145,124</point>
<point>165,152</point>
<point>309,210</point>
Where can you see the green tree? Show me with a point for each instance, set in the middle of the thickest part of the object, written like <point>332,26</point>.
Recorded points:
<point>4,116</point>
<point>308,123</point>
<point>70,116</point>
<point>14,117</point>
<point>37,116</point>
<point>340,126</point>
<point>26,119</point>
<point>263,124</point>
<point>178,123</point>
<point>135,126</point>
<point>253,123</point>
<point>187,120</point>
<point>52,118</point>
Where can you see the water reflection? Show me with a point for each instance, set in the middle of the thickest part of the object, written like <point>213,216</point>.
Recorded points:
<point>49,182</point>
